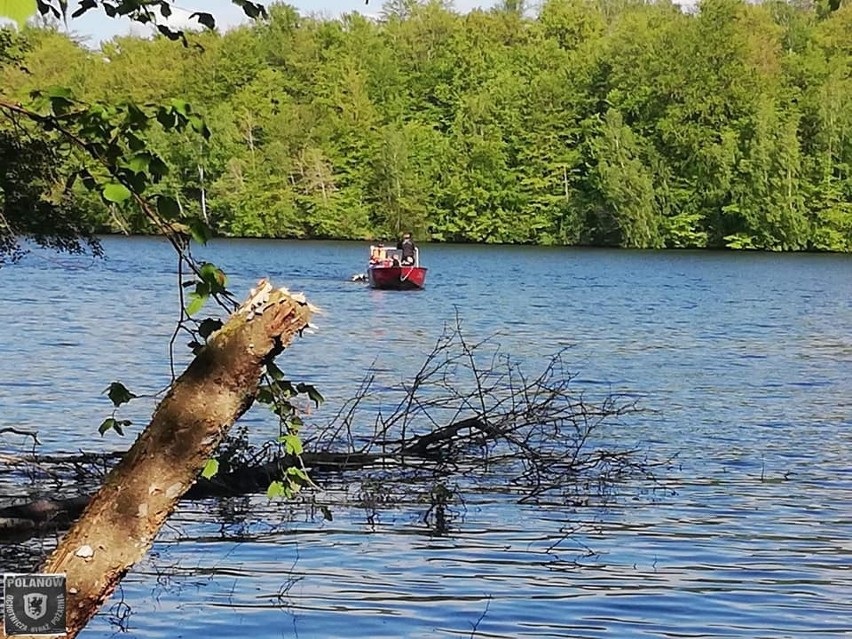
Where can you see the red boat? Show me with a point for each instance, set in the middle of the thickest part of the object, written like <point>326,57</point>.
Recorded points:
<point>385,271</point>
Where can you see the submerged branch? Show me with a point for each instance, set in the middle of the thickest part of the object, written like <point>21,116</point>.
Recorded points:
<point>469,414</point>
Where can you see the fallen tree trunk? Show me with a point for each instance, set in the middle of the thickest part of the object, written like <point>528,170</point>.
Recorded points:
<point>36,517</point>
<point>121,521</point>
<point>32,518</point>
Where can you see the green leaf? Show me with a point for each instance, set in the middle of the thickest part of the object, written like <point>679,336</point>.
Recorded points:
<point>276,489</point>
<point>18,10</point>
<point>205,19</point>
<point>168,207</point>
<point>199,126</point>
<point>294,425</point>
<point>57,91</point>
<point>134,142</point>
<point>200,232</point>
<point>158,168</point>
<point>110,423</point>
<point>251,9</point>
<point>274,372</point>
<point>210,468</point>
<point>139,162</point>
<point>214,277</point>
<point>196,301</point>
<point>292,444</point>
<point>299,474</point>
<point>264,395</point>
<point>116,192</point>
<point>312,392</point>
<point>118,394</point>
<point>181,106</point>
<point>166,118</point>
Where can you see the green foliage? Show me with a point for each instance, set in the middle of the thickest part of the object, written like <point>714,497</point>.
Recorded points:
<point>623,124</point>
<point>18,10</point>
<point>118,394</point>
<point>111,423</point>
<point>211,281</point>
<point>211,467</point>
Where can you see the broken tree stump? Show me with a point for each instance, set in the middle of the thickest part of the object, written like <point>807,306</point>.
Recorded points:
<point>121,521</point>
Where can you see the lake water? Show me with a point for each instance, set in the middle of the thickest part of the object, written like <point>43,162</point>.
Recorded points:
<point>742,362</point>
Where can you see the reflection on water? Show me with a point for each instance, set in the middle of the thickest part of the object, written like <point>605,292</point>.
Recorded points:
<point>743,362</point>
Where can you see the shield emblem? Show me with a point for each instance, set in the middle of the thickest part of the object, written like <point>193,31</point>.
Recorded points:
<point>35,605</point>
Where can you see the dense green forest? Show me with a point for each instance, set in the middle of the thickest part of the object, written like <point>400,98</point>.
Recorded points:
<point>605,122</point>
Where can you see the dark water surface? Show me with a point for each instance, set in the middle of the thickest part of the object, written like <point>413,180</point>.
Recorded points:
<point>744,362</point>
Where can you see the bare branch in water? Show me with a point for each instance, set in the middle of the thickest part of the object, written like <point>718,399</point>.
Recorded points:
<point>469,417</point>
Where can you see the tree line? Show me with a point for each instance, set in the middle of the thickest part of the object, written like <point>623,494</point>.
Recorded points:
<point>591,122</point>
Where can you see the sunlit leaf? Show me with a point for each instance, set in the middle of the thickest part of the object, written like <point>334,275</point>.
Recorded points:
<point>116,192</point>
<point>276,489</point>
<point>196,301</point>
<point>292,444</point>
<point>181,106</point>
<point>298,473</point>
<point>18,10</point>
<point>214,277</point>
<point>139,162</point>
<point>210,468</point>
<point>108,424</point>
<point>57,91</point>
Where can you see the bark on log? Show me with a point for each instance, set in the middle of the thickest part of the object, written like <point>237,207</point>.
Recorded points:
<point>120,523</point>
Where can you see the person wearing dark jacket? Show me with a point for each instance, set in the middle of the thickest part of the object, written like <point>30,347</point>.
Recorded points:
<point>408,249</point>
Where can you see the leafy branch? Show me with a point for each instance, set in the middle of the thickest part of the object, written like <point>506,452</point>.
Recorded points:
<point>117,162</point>
<point>155,12</point>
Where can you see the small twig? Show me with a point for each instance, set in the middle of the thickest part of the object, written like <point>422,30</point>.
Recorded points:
<point>23,433</point>
<point>481,617</point>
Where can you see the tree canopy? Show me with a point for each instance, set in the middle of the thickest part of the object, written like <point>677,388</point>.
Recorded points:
<point>592,122</point>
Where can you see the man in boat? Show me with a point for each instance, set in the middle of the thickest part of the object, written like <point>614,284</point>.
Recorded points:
<point>408,249</point>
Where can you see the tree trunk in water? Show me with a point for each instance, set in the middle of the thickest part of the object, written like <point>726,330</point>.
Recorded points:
<point>122,520</point>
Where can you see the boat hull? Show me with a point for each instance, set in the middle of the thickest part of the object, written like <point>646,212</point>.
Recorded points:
<point>396,278</point>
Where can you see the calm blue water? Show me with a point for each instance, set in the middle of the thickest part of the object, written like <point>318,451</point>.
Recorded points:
<point>743,362</point>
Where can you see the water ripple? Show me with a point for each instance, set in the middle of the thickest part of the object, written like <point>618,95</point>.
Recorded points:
<point>743,362</point>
